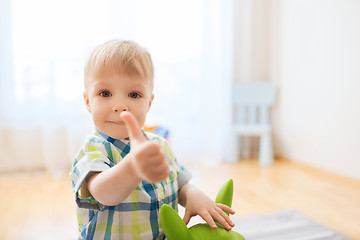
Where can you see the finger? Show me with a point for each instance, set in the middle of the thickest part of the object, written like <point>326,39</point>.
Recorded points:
<point>208,219</point>
<point>159,178</point>
<point>225,208</point>
<point>134,130</point>
<point>151,149</point>
<point>153,179</point>
<point>220,220</point>
<point>163,173</point>
<point>158,169</point>
<point>154,156</point>
<point>224,219</point>
<point>155,172</point>
<point>186,217</point>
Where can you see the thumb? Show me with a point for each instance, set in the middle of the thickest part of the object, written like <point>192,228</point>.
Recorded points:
<point>132,125</point>
<point>186,217</point>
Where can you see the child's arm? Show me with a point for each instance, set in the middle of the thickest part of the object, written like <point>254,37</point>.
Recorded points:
<point>144,162</point>
<point>197,203</point>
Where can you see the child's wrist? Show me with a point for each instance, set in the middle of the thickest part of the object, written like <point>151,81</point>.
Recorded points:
<point>132,169</point>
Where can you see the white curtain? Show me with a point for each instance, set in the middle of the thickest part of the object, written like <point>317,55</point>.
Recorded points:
<point>43,50</point>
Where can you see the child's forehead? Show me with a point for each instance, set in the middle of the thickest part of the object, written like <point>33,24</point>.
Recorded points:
<point>133,67</point>
<point>114,77</point>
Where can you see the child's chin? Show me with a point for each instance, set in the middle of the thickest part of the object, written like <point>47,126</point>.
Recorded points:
<point>117,133</point>
<point>119,136</point>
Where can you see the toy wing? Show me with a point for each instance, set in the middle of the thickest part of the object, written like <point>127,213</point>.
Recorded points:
<point>172,224</point>
<point>225,194</point>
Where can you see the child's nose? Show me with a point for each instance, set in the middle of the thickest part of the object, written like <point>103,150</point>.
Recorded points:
<point>120,108</point>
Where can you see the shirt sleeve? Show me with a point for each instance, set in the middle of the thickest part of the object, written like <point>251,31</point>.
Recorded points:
<point>92,158</point>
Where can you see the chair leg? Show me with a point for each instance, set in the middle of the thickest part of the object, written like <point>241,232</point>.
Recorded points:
<point>266,156</point>
<point>246,144</point>
<point>235,148</point>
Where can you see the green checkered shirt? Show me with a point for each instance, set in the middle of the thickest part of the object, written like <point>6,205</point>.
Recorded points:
<point>137,217</point>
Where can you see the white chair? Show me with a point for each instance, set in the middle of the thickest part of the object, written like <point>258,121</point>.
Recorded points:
<point>252,101</point>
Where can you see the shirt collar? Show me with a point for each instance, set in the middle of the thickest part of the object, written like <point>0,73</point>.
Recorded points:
<point>123,144</point>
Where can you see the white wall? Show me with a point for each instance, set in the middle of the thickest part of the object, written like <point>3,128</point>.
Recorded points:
<point>317,117</point>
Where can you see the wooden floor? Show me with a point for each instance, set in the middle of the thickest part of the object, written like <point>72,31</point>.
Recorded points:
<point>34,206</point>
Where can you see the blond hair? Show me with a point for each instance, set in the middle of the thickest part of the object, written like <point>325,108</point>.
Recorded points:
<point>122,57</point>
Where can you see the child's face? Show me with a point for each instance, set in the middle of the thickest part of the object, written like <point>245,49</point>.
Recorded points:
<point>107,96</point>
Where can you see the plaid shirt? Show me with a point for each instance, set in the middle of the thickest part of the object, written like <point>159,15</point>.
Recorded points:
<point>137,217</point>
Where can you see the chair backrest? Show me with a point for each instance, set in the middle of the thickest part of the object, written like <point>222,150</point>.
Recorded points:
<point>252,102</point>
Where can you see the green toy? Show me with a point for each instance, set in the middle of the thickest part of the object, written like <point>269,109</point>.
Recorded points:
<point>175,228</point>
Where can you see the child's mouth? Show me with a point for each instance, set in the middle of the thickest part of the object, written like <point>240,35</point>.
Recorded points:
<point>117,122</point>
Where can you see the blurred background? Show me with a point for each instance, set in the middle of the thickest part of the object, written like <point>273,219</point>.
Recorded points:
<point>308,48</point>
<point>44,46</point>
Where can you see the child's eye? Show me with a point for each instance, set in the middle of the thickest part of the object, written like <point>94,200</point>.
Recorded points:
<point>105,94</point>
<point>134,95</point>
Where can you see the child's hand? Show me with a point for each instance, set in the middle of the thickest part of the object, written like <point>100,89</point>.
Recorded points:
<point>149,162</point>
<point>198,203</point>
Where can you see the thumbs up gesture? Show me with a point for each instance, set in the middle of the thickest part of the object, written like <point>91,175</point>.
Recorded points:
<point>148,160</point>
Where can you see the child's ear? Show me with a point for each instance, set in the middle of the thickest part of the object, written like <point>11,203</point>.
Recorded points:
<point>150,102</point>
<point>87,101</point>
<point>225,194</point>
<point>172,224</point>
